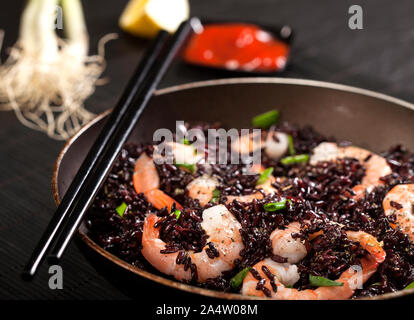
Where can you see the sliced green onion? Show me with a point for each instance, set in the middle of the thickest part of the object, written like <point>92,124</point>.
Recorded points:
<point>291,147</point>
<point>376,284</point>
<point>189,167</point>
<point>264,176</point>
<point>237,280</point>
<point>323,282</point>
<point>188,143</point>
<point>295,159</point>
<point>265,120</point>
<point>121,209</point>
<point>410,286</point>
<point>276,206</point>
<point>177,214</point>
<point>216,196</point>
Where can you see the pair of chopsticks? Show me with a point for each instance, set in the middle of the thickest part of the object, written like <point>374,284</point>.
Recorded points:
<point>100,158</point>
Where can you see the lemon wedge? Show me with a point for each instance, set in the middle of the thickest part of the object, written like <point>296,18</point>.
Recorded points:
<point>146,17</point>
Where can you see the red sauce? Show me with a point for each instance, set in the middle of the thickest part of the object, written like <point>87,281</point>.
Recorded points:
<point>237,47</point>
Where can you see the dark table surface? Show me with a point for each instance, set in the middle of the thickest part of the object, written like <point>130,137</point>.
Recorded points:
<point>379,57</point>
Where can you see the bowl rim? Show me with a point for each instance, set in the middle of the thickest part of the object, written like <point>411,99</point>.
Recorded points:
<point>228,81</point>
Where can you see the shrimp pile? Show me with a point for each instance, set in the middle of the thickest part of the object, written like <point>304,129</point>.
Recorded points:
<point>223,235</point>
<point>376,166</point>
<point>317,219</point>
<point>269,278</point>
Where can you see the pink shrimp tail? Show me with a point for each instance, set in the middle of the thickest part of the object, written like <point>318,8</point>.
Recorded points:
<point>149,230</point>
<point>160,200</point>
<point>145,175</point>
<point>147,181</point>
<point>369,243</point>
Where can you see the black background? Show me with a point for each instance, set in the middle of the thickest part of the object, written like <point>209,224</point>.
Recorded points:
<point>380,57</point>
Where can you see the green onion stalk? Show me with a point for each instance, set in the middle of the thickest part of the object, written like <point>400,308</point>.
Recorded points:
<point>266,120</point>
<point>300,158</point>
<point>410,286</point>
<point>323,282</point>
<point>264,176</point>
<point>46,79</point>
<point>276,206</point>
<point>237,280</point>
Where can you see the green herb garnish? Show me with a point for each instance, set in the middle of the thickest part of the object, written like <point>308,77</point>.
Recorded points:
<point>189,167</point>
<point>264,176</point>
<point>237,280</point>
<point>121,209</point>
<point>265,120</point>
<point>323,282</point>
<point>295,159</point>
<point>291,147</point>
<point>216,196</point>
<point>276,206</point>
<point>188,143</point>
<point>177,214</point>
<point>410,286</point>
<point>376,284</point>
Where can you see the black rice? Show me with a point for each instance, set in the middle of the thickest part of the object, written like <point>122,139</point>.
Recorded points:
<point>320,194</point>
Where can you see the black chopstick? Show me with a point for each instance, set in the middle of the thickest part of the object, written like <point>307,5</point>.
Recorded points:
<point>94,153</point>
<point>133,113</point>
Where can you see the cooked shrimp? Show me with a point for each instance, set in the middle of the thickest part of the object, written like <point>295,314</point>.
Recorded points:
<point>276,276</point>
<point>202,188</point>
<point>151,247</point>
<point>266,188</point>
<point>286,246</point>
<point>376,166</point>
<point>400,200</point>
<point>247,143</point>
<point>147,181</point>
<point>369,243</point>
<point>263,189</point>
<point>275,145</point>
<point>222,229</point>
<point>174,152</point>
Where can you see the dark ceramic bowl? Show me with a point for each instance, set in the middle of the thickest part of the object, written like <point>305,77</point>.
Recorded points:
<point>370,120</point>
